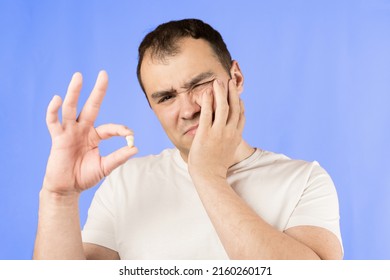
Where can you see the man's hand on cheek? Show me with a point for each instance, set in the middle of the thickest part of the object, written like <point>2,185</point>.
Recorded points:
<point>219,133</point>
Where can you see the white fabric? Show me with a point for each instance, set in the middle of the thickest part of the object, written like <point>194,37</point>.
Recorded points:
<point>149,208</point>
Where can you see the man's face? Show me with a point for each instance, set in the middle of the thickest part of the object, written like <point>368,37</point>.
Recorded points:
<point>175,86</point>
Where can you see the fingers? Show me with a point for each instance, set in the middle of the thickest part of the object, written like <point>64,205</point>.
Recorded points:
<point>113,160</point>
<point>69,108</point>
<point>52,122</point>
<point>91,108</point>
<point>117,158</point>
<point>106,131</point>
<point>206,114</point>
<point>229,107</point>
<point>222,107</point>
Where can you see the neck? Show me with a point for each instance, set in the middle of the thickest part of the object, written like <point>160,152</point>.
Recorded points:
<point>243,151</point>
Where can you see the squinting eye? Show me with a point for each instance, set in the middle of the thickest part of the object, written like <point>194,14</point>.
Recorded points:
<point>165,98</point>
<point>201,87</point>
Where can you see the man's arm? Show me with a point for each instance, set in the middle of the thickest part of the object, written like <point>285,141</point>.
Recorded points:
<point>59,233</point>
<point>74,165</point>
<point>243,233</point>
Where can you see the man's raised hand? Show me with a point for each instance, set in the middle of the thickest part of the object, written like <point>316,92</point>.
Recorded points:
<point>75,163</point>
<point>219,132</point>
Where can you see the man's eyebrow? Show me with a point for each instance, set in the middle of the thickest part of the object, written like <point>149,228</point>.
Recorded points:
<point>198,78</point>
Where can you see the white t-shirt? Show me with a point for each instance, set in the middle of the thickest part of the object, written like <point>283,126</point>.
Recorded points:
<point>149,208</point>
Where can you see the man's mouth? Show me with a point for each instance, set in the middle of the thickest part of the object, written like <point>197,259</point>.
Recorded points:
<point>191,130</point>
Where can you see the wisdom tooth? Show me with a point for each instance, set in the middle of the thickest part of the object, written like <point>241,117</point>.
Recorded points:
<point>130,140</point>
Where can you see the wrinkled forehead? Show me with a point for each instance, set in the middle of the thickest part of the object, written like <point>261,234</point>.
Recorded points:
<point>188,52</point>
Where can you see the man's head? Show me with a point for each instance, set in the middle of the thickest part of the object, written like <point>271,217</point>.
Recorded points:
<point>178,62</point>
<point>163,42</point>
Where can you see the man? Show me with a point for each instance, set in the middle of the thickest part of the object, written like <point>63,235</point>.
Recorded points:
<point>213,197</point>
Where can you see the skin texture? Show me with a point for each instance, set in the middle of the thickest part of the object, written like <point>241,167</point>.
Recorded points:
<point>198,104</point>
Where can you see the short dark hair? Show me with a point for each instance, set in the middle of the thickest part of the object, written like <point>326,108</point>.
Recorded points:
<point>163,40</point>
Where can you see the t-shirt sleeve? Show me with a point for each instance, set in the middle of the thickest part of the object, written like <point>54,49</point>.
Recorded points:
<point>318,205</point>
<point>100,227</point>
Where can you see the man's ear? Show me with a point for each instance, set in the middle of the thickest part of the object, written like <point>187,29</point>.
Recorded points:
<point>237,76</point>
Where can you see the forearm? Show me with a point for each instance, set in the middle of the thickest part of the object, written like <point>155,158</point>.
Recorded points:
<point>243,233</point>
<point>59,232</point>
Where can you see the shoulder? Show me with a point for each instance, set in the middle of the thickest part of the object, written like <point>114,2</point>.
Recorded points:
<point>293,175</point>
<point>280,164</point>
<point>272,171</point>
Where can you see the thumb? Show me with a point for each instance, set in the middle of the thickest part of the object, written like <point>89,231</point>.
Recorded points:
<point>117,158</point>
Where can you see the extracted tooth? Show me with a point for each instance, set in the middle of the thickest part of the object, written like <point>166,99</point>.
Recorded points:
<point>130,140</point>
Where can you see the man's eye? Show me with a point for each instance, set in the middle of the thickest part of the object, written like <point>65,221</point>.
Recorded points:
<point>202,86</point>
<point>165,98</point>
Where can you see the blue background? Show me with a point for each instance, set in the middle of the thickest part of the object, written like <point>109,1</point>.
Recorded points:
<point>317,87</point>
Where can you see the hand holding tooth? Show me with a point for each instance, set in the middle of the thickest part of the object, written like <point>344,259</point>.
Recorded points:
<point>75,163</point>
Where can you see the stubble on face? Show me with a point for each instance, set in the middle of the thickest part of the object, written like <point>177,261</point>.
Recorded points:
<point>172,74</point>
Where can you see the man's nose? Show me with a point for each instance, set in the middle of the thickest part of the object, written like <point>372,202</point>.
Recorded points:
<point>190,105</point>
